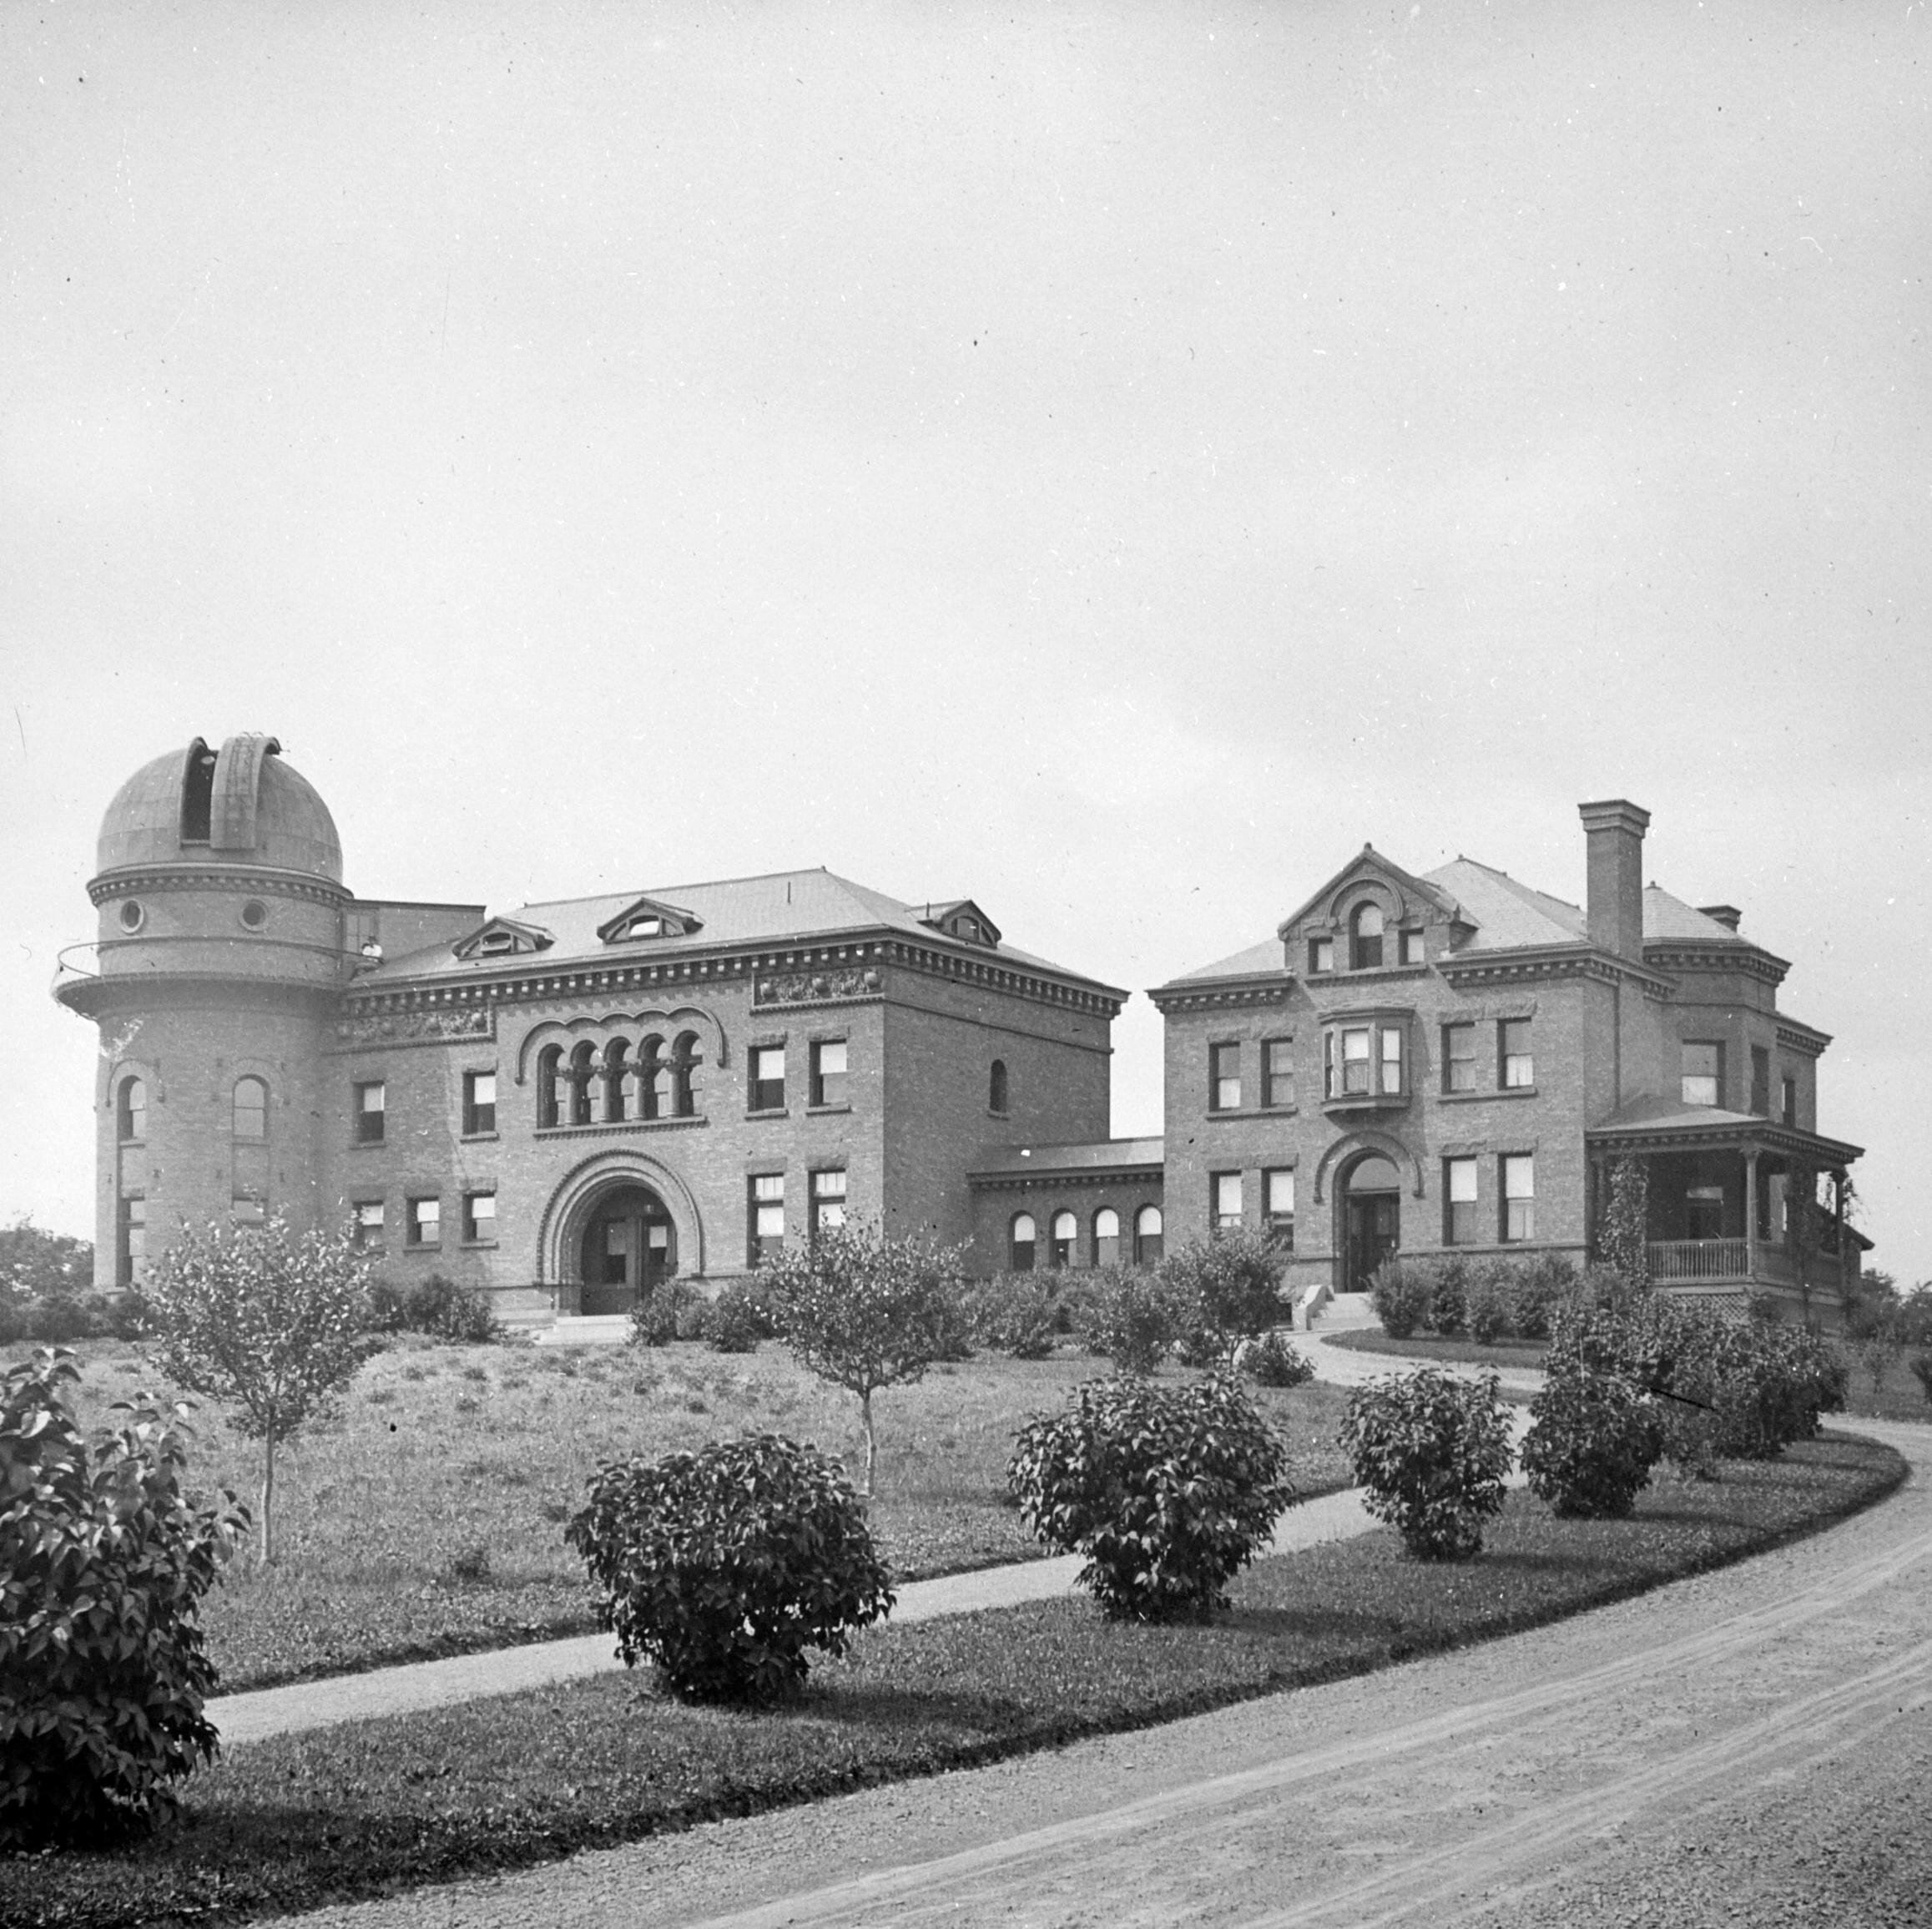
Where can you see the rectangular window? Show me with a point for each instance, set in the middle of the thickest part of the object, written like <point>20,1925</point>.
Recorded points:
<point>479,1102</point>
<point>245,1209</point>
<point>1760,1082</point>
<point>1703,1075</point>
<point>1355,1060</point>
<point>369,1225</point>
<point>1517,1068</point>
<point>1519,1197</point>
<point>766,1230</point>
<point>828,1201</point>
<point>1223,1077</point>
<point>1412,947</point>
<point>131,1261</point>
<point>1459,1057</point>
<point>1704,1212</point>
<point>1321,954</point>
<point>1459,1222</point>
<point>768,1077</point>
<point>480,1218</point>
<point>1391,1058</point>
<point>1277,1189</point>
<point>370,1100</point>
<point>828,1072</point>
<point>1226,1188</point>
<point>426,1222</point>
<point>1277,1072</point>
<point>1790,1101</point>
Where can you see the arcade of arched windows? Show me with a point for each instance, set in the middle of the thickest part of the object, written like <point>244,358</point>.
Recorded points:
<point>619,1082</point>
<point>1061,1239</point>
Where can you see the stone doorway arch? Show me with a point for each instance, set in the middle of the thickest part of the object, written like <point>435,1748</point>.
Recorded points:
<point>637,1193</point>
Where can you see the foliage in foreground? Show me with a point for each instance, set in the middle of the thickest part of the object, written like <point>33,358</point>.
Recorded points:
<point>863,1309</point>
<point>723,1566</point>
<point>436,1307</point>
<point>102,1561</point>
<point>270,1321</point>
<point>1593,1439</point>
<point>1432,1451</point>
<point>1168,1491</point>
<point>1273,1360</point>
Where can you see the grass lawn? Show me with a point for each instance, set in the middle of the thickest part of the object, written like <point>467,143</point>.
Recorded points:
<point>1429,1347</point>
<point>360,1809</point>
<point>427,1519</point>
<point>1898,1396</point>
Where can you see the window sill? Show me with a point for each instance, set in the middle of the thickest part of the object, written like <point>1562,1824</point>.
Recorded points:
<point>1501,1091</point>
<point>618,1125</point>
<point>416,1251</point>
<point>1254,1112</point>
<point>479,1137</point>
<point>479,1245</point>
<point>1366,1102</point>
<point>367,1144</point>
<point>822,1111</point>
<point>768,1111</point>
<point>1004,1118</point>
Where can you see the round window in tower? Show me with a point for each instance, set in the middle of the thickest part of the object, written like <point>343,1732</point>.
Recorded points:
<point>133,916</point>
<point>255,914</point>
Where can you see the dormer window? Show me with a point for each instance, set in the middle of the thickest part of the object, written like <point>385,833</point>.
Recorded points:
<point>650,925</point>
<point>962,918</point>
<point>501,937</point>
<point>647,919</point>
<point>1365,938</point>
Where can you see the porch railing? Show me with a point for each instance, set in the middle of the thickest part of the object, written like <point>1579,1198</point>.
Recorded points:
<point>1699,1259</point>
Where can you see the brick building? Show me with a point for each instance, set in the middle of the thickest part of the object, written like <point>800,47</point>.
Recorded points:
<point>1449,1063</point>
<point>560,1103</point>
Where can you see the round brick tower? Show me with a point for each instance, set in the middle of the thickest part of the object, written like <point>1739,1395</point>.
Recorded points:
<point>220,954</point>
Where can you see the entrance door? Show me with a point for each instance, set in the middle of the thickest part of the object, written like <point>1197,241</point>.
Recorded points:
<point>1371,1222</point>
<point>629,1243</point>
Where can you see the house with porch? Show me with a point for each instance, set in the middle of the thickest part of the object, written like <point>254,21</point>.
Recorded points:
<point>1452,1063</point>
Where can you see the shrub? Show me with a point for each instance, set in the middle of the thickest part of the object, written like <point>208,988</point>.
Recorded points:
<point>385,1307</point>
<point>1014,1314</point>
<point>1273,1361</point>
<point>723,1566</point>
<point>1129,1320</point>
<point>1922,1369</point>
<point>444,1311</point>
<point>1490,1300</point>
<point>102,1564</point>
<point>1402,1292</point>
<point>739,1319</point>
<point>951,1317</point>
<point>1546,1285</point>
<point>1449,1303</point>
<point>1168,1491</point>
<point>690,1314</point>
<point>1594,1438</point>
<point>654,1315</point>
<point>1432,1451</point>
<point>1222,1290</point>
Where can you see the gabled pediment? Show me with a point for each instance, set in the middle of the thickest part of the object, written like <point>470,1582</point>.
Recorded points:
<point>962,918</point>
<point>503,937</point>
<point>647,918</point>
<point>1405,899</point>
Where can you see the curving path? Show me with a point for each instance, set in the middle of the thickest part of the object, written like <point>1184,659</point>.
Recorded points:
<point>1753,1746</point>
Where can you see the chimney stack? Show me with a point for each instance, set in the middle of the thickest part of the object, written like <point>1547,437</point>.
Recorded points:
<point>1726,915</point>
<point>1613,833</point>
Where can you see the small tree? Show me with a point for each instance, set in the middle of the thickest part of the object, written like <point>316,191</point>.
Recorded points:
<point>1229,1285</point>
<point>266,1319</point>
<point>1623,1239</point>
<point>864,1310</point>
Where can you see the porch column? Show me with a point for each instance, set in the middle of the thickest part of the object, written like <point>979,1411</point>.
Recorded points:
<point>1838,1220</point>
<point>1751,1212</point>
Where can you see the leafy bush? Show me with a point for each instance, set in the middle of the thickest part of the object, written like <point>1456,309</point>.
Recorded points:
<point>691,1315</point>
<point>1490,1300</point>
<point>1541,1288</point>
<point>1449,1303</point>
<point>386,1307</point>
<point>1168,1491</point>
<point>1222,1290</point>
<point>444,1311</point>
<point>739,1319</point>
<point>1594,1438</point>
<point>1432,1452</point>
<point>1129,1318</point>
<point>723,1566</point>
<point>103,1563</point>
<point>1014,1314</point>
<point>1922,1368</point>
<point>1403,1293</point>
<point>655,1314</point>
<point>1273,1361</point>
<point>952,1322</point>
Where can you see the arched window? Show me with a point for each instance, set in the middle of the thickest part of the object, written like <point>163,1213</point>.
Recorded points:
<point>550,1102</point>
<point>131,1110</point>
<point>683,1065</point>
<point>1365,937</point>
<point>1107,1237</point>
<point>616,1079</point>
<point>1147,1236</point>
<point>1020,1243</point>
<point>1066,1231</point>
<point>654,1079</point>
<point>251,1109</point>
<point>582,1065</point>
<point>996,1086</point>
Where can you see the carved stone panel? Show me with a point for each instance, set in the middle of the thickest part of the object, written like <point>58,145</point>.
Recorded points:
<point>816,988</point>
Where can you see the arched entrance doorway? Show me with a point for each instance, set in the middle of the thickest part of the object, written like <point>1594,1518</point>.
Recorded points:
<point>1371,1219</point>
<point>628,1245</point>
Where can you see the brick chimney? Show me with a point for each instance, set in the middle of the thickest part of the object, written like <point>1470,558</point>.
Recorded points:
<point>1613,834</point>
<point>1726,915</point>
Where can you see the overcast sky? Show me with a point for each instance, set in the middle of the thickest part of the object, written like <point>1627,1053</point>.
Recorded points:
<point>1110,463</point>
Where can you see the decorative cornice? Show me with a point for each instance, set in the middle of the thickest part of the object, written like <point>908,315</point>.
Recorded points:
<point>241,879</point>
<point>1138,1173</point>
<point>817,987</point>
<point>1804,1038</point>
<point>1550,962</point>
<point>1681,955</point>
<point>1732,1136</point>
<point>1218,993</point>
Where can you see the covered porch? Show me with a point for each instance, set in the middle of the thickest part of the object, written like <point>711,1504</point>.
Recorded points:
<point>1727,1199</point>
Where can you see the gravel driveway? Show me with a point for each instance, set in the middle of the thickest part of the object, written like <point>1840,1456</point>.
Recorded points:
<point>1752,1746</point>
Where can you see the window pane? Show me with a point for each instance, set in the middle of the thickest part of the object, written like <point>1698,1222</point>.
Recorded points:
<point>1227,1200</point>
<point>1462,1181</point>
<point>832,1055</point>
<point>768,1062</point>
<point>1520,1177</point>
<point>134,1109</point>
<point>1355,1060</point>
<point>1412,947</point>
<point>769,1186</point>
<point>1391,1059</point>
<point>1277,1072</point>
<point>1064,1226</point>
<point>1106,1223</point>
<point>1321,955</point>
<point>1023,1228</point>
<point>829,1184</point>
